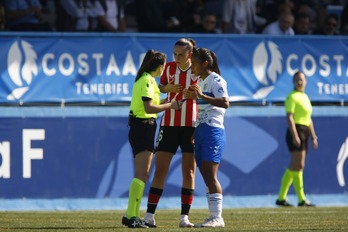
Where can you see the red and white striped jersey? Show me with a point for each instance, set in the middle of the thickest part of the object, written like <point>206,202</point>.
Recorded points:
<point>189,111</point>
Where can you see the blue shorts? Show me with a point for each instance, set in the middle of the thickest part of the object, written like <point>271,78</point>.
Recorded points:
<point>209,143</point>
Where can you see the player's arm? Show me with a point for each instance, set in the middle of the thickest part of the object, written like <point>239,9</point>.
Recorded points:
<point>313,135</point>
<point>152,108</point>
<point>222,102</point>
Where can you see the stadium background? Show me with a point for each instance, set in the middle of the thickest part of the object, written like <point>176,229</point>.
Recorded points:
<point>63,135</point>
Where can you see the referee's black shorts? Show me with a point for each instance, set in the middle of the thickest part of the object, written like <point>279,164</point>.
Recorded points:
<point>303,133</point>
<point>171,137</point>
<point>142,135</point>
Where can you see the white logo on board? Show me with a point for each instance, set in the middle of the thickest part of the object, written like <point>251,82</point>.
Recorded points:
<point>22,67</point>
<point>341,158</point>
<point>267,66</point>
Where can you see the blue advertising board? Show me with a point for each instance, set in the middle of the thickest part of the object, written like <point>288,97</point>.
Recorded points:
<point>100,68</point>
<point>57,155</point>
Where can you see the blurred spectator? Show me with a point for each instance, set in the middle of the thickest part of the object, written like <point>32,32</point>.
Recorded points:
<point>267,9</point>
<point>283,26</point>
<point>149,16</point>
<point>330,26</point>
<point>75,15</point>
<point>344,20</point>
<point>213,6</point>
<point>2,17</point>
<point>302,24</point>
<point>208,24</point>
<point>25,15</point>
<point>239,16</point>
<point>111,15</point>
<point>49,12</point>
<point>305,7</point>
<point>182,15</point>
<point>271,10</point>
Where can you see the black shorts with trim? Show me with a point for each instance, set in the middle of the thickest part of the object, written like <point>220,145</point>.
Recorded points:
<point>142,135</point>
<point>303,133</point>
<point>171,137</point>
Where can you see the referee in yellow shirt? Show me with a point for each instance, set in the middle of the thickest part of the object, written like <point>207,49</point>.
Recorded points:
<point>300,129</point>
<point>144,107</point>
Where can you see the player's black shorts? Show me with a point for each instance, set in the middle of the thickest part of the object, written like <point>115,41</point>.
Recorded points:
<point>142,135</point>
<point>303,133</point>
<point>171,137</point>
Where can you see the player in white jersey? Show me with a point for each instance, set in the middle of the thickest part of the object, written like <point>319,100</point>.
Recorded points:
<point>209,136</point>
<point>213,86</point>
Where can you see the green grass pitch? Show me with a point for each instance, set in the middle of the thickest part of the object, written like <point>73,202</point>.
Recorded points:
<point>247,219</point>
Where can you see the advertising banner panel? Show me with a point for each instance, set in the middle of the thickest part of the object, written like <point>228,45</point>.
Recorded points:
<point>100,68</point>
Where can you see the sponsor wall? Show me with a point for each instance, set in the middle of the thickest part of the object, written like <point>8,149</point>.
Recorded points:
<point>83,152</point>
<point>70,68</point>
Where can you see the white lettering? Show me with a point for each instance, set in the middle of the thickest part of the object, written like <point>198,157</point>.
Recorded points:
<point>325,72</point>
<point>332,89</point>
<point>339,59</point>
<point>82,65</point>
<point>102,88</point>
<point>309,65</point>
<point>78,87</point>
<point>30,153</point>
<point>44,63</point>
<point>5,156</point>
<point>129,67</point>
<point>70,67</point>
<point>112,67</point>
<point>313,66</point>
<point>98,57</point>
<point>82,61</point>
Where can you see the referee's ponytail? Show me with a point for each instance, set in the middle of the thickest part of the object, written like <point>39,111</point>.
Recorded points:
<point>152,60</point>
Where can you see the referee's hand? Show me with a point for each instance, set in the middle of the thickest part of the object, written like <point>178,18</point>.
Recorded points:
<point>176,105</point>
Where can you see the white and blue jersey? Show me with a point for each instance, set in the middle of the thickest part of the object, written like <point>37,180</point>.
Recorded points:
<point>210,135</point>
<point>214,86</point>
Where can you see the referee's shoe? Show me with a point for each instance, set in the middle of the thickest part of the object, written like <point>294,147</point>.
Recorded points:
<point>133,222</point>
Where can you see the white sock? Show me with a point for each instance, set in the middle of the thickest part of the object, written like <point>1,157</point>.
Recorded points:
<point>183,217</point>
<point>215,203</point>
<point>149,216</point>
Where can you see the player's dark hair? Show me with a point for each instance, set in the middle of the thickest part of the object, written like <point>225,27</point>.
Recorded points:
<point>152,60</point>
<point>190,44</point>
<point>296,74</point>
<point>204,54</point>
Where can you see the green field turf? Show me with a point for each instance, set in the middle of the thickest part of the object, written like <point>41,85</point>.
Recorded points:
<point>250,219</point>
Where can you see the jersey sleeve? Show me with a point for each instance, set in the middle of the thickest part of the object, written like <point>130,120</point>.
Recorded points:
<point>220,88</point>
<point>147,90</point>
<point>289,104</point>
<point>164,77</point>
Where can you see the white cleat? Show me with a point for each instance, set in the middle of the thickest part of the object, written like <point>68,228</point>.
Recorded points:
<point>150,221</point>
<point>185,223</point>
<point>212,222</point>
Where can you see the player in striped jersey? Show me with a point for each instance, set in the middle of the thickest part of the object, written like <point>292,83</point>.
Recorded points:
<point>176,130</point>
